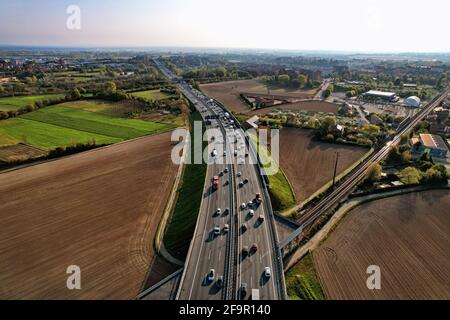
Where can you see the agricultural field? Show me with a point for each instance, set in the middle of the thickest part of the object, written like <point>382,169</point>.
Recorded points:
<point>67,124</point>
<point>152,95</point>
<point>15,103</point>
<point>407,236</point>
<point>309,164</point>
<point>99,210</point>
<point>229,92</point>
<point>312,105</point>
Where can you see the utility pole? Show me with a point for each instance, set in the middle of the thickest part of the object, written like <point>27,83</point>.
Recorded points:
<point>335,169</point>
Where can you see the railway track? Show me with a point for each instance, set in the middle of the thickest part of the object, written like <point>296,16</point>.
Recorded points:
<point>357,176</point>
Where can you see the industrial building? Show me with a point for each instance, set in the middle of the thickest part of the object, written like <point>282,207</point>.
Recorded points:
<point>433,144</point>
<point>387,96</point>
<point>412,102</point>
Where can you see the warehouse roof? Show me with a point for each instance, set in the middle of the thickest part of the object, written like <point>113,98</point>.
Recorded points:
<point>433,141</point>
<point>380,93</point>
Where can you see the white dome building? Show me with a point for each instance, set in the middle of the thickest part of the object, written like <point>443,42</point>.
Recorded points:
<point>412,102</point>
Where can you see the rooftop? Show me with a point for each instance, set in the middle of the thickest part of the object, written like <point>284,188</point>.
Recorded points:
<point>433,141</point>
<point>380,93</point>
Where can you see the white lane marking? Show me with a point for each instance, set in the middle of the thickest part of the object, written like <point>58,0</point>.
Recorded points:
<point>209,255</point>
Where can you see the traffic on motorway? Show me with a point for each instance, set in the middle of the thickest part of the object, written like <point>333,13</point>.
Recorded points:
<point>231,255</point>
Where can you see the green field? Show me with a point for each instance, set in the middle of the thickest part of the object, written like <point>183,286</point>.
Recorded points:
<point>184,217</point>
<point>302,282</point>
<point>59,125</point>
<point>14,103</point>
<point>151,95</point>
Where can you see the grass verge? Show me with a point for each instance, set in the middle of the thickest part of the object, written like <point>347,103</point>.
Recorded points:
<point>302,282</point>
<point>281,192</point>
<point>181,224</point>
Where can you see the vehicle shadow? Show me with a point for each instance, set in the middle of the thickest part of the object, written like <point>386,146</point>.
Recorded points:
<point>214,289</point>
<point>211,236</point>
<point>263,280</point>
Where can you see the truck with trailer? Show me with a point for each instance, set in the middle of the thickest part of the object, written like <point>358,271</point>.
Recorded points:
<point>215,183</point>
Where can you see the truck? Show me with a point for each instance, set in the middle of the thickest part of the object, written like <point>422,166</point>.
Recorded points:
<point>258,198</point>
<point>216,182</point>
<point>255,294</point>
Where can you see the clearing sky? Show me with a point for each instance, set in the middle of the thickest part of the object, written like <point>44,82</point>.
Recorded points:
<point>345,25</point>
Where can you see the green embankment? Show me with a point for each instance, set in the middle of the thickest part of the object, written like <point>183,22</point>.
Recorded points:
<point>281,193</point>
<point>15,103</point>
<point>302,282</point>
<point>181,225</point>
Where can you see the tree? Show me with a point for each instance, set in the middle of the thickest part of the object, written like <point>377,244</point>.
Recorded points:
<point>410,175</point>
<point>302,80</point>
<point>327,123</point>
<point>394,155</point>
<point>406,156</point>
<point>371,130</point>
<point>374,172</point>
<point>404,139</point>
<point>284,79</point>
<point>74,94</point>
<point>436,173</point>
<point>110,87</point>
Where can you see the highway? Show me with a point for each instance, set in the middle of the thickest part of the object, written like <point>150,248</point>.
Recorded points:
<point>224,253</point>
<point>354,178</point>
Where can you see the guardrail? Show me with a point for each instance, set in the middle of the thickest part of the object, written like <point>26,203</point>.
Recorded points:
<point>156,286</point>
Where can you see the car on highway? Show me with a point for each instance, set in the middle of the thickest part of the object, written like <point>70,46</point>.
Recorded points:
<point>244,227</point>
<point>261,217</point>
<point>243,290</point>
<point>241,184</point>
<point>250,204</point>
<point>267,272</point>
<point>226,228</point>
<point>239,174</point>
<point>216,230</point>
<point>245,251</point>
<point>254,248</point>
<point>243,206</point>
<point>226,211</point>
<point>218,211</point>
<point>211,275</point>
<point>245,181</point>
<point>251,213</point>
<point>226,170</point>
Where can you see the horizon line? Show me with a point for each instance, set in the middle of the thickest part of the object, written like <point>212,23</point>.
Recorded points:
<point>146,47</point>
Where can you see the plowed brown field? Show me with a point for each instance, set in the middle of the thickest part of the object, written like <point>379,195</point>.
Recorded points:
<point>309,164</point>
<point>98,210</point>
<point>228,93</point>
<point>407,236</point>
<point>312,105</point>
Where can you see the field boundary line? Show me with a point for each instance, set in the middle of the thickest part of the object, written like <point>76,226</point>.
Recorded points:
<point>168,210</point>
<point>84,152</point>
<point>327,185</point>
<point>335,219</point>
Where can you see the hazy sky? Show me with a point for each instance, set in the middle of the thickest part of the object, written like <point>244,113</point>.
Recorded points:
<point>348,25</point>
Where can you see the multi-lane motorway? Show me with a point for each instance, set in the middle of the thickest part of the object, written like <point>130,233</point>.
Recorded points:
<point>245,249</point>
